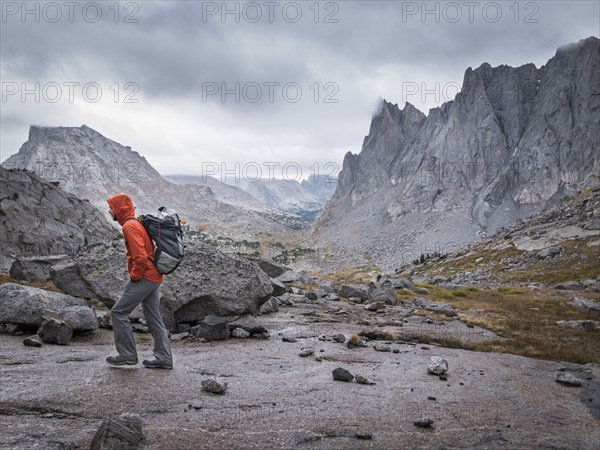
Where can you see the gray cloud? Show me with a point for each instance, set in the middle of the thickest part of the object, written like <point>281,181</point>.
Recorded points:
<point>171,54</point>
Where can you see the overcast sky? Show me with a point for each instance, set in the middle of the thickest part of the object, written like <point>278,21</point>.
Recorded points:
<point>193,84</point>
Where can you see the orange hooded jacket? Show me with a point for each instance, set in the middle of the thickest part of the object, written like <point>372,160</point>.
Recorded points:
<point>140,248</point>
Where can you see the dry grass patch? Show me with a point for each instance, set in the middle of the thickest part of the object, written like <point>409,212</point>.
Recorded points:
<point>527,319</point>
<point>48,285</point>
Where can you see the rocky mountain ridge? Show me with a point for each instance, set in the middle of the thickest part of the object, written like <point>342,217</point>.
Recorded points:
<point>39,218</point>
<point>93,167</point>
<point>514,141</point>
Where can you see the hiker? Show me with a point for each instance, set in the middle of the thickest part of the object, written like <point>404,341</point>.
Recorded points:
<point>142,287</point>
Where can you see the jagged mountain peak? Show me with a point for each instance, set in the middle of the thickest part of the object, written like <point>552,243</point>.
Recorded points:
<point>512,142</point>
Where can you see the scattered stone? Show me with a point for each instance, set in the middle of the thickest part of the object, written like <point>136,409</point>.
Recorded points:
<point>307,352</point>
<point>311,296</point>
<point>270,306</point>
<point>278,288</point>
<point>386,295</point>
<point>125,432</point>
<point>340,374</point>
<point>55,331</point>
<point>212,328</point>
<point>318,358</point>
<point>364,380</point>
<point>432,398</point>
<point>339,338</point>
<point>248,323</point>
<point>284,300</point>
<point>438,279</point>
<point>179,336</point>
<point>358,291</point>
<point>240,333</point>
<point>586,325</point>
<point>569,286</point>
<point>374,306</point>
<point>332,298</point>
<point>437,365</point>
<point>33,341</point>
<point>288,276</point>
<point>586,305</point>
<point>427,304</point>
<point>566,379</point>
<point>549,252</point>
<point>213,386</point>
<point>363,433</point>
<point>288,339</point>
<point>424,422</point>
<point>382,348</point>
<point>396,350</point>
<point>396,283</point>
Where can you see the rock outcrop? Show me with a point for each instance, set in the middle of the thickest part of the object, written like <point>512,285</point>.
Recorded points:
<point>39,218</point>
<point>208,282</point>
<point>514,141</point>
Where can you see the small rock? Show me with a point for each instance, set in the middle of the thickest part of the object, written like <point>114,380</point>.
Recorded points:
<point>307,352</point>
<point>339,338</point>
<point>124,432</point>
<point>340,374</point>
<point>55,331</point>
<point>240,333</point>
<point>311,296</point>
<point>33,341</point>
<point>288,339</point>
<point>566,379</point>
<point>437,365</point>
<point>376,306</point>
<point>179,336</point>
<point>363,433</point>
<point>364,380</point>
<point>318,358</point>
<point>382,348</point>
<point>213,386</point>
<point>424,422</point>
<point>396,350</point>
<point>332,297</point>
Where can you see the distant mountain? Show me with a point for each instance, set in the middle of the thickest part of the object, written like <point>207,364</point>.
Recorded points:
<point>39,218</point>
<point>308,196</point>
<point>224,192</point>
<point>514,141</point>
<point>93,167</point>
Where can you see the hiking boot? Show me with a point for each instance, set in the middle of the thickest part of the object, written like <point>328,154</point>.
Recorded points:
<point>157,364</point>
<point>121,360</point>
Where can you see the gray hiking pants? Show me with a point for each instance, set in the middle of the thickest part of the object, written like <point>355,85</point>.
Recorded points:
<point>146,293</point>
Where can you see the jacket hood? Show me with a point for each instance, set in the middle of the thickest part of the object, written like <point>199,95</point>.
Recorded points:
<point>122,206</point>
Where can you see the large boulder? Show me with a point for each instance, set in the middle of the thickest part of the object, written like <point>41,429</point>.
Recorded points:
<point>207,282</point>
<point>29,306</point>
<point>34,268</point>
<point>358,291</point>
<point>270,268</point>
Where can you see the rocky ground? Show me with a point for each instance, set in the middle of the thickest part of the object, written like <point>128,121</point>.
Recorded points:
<point>56,397</point>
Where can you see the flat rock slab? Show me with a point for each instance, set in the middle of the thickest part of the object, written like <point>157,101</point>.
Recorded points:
<point>489,400</point>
